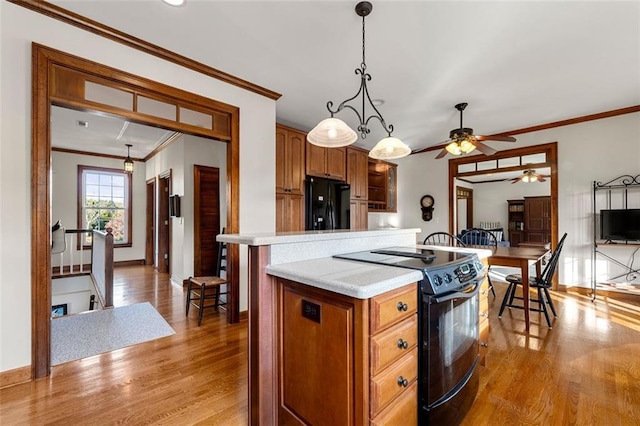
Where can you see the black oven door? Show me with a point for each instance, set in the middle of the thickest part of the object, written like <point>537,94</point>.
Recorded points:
<point>449,329</point>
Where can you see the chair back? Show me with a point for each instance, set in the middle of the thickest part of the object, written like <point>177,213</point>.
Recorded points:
<point>221,260</point>
<point>443,239</point>
<point>476,237</point>
<point>545,279</point>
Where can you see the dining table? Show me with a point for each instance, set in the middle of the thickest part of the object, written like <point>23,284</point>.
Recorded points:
<point>520,257</point>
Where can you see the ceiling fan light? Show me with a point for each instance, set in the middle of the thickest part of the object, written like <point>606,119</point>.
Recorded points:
<point>332,133</point>
<point>389,148</point>
<point>467,146</point>
<point>454,148</point>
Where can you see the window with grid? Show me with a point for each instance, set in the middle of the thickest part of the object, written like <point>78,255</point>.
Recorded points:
<point>104,197</point>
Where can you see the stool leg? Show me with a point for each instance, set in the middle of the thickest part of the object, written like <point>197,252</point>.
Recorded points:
<point>543,306</point>
<point>202,290</point>
<point>505,299</point>
<point>217,296</point>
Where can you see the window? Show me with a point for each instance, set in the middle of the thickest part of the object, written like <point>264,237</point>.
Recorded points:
<point>104,201</point>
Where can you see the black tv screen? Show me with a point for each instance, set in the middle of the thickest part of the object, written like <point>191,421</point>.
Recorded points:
<point>620,224</point>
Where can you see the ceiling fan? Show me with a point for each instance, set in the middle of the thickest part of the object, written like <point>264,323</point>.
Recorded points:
<point>463,141</point>
<point>530,176</point>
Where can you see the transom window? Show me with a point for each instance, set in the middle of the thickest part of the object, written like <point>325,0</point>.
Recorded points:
<point>104,201</point>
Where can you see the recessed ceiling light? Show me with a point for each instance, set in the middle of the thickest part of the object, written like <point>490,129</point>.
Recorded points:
<point>82,123</point>
<point>174,2</point>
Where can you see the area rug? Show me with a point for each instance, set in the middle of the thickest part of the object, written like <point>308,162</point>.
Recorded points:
<point>91,333</point>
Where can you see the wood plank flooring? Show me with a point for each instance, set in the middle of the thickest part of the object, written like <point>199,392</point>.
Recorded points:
<point>586,370</point>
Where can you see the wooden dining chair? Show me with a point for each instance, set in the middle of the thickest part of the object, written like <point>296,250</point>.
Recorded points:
<point>481,238</point>
<point>443,239</point>
<point>202,290</point>
<point>543,283</point>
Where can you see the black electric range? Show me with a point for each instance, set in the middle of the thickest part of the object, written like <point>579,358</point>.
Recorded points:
<point>444,271</point>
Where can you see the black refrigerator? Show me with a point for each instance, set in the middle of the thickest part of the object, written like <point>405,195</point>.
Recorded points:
<point>327,204</point>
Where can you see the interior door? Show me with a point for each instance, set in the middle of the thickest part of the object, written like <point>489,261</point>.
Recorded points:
<point>150,240</point>
<point>164,230</point>
<point>206,213</point>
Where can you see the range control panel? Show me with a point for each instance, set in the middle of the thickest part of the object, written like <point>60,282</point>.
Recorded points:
<point>451,277</point>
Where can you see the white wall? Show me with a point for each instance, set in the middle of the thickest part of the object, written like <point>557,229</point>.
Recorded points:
<point>20,27</point>
<point>596,150</point>
<point>65,200</point>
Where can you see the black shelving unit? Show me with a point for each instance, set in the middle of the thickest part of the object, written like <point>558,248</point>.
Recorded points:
<point>620,188</point>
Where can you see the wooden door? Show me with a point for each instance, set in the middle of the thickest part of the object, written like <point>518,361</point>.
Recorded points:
<point>206,215</point>
<point>150,240</point>
<point>164,228</point>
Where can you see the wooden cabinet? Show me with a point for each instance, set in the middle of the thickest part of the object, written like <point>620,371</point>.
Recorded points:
<point>382,183</point>
<point>359,214</point>
<point>326,162</point>
<point>515,218</point>
<point>340,357</point>
<point>289,212</point>
<point>537,218</point>
<point>357,172</point>
<point>357,178</point>
<point>290,166</point>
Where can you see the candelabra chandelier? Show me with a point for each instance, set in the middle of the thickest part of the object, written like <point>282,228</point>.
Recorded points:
<point>333,132</point>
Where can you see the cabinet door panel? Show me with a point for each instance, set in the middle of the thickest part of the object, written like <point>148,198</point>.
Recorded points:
<point>403,411</point>
<point>337,163</point>
<point>387,346</point>
<point>316,160</point>
<point>385,387</point>
<point>317,361</point>
<point>281,160</point>
<point>296,158</point>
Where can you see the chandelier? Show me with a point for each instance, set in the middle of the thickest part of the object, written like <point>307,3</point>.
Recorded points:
<point>333,132</point>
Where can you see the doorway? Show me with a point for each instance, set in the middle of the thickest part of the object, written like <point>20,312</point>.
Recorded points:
<point>464,209</point>
<point>164,224</point>
<point>60,79</point>
<point>150,239</point>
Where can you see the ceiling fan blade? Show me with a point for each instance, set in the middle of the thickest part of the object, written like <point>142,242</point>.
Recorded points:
<point>485,149</point>
<point>541,179</point>
<point>432,147</point>
<point>442,154</point>
<point>495,138</point>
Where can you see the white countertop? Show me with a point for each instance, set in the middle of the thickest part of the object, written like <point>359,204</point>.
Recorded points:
<point>352,278</point>
<point>272,238</point>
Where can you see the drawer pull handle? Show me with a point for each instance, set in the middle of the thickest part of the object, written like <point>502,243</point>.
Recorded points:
<point>402,306</point>
<point>484,314</point>
<point>402,344</point>
<point>403,382</point>
<point>484,344</point>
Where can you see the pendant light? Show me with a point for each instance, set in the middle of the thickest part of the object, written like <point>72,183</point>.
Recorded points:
<point>333,132</point>
<point>128,162</point>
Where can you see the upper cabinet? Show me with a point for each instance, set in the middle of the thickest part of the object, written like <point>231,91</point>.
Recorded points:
<point>326,162</point>
<point>537,217</point>
<point>382,183</point>
<point>290,145</point>
<point>357,175</point>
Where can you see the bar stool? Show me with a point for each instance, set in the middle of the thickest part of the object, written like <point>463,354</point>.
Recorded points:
<point>202,289</point>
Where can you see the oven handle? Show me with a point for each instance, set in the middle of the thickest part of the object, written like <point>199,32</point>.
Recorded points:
<point>459,294</point>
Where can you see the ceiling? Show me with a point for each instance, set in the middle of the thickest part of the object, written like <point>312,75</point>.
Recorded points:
<point>517,64</point>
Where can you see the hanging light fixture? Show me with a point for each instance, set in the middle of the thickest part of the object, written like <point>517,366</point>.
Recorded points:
<point>128,162</point>
<point>333,132</point>
<point>529,176</point>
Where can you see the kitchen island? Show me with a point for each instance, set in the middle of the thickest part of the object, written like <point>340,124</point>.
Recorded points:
<point>319,329</point>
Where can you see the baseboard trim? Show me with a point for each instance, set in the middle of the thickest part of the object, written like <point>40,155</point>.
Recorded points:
<point>244,316</point>
<point>135,262</point>
<point>15,376</point>
<point>584,291</point>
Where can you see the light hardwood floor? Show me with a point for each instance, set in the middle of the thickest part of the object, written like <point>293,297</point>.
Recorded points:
<point>585,371</point>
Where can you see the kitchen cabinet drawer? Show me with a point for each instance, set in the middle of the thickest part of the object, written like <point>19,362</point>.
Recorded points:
<point>393,343</point>
<point>394,306</point>
<point>403,411</point>
<point>387,386</point>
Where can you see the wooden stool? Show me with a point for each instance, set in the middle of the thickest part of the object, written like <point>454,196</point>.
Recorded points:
<point>201,289</point>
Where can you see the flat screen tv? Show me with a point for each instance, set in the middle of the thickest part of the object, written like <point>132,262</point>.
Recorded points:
<point>621,225</point>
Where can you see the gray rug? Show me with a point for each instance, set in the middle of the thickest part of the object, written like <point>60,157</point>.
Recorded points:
<point>79,336</point>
